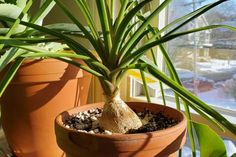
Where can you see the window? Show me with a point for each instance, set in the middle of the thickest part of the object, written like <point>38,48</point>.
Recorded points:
<point>205,61</point>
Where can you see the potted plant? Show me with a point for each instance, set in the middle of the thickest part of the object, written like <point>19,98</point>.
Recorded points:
<point>34,90</point>
<point>120,45</point>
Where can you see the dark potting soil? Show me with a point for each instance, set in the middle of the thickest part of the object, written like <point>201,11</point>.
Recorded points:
<point>87,121</point>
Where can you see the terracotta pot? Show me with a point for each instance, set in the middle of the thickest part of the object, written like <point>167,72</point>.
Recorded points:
<point>162,143</point>
<point>40,91</point>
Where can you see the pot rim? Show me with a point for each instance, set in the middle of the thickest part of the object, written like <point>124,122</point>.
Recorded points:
<point>134,136</point>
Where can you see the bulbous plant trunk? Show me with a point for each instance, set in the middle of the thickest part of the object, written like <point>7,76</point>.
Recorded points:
<point>117,116</point>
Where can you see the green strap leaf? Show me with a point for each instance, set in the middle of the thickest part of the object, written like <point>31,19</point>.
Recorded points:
<point>145,86</point>
<point>25,41</point>
<point>63,28</point>
<point>189,17</point>
<point>105,23</point>
<point>170,37</point>
<point>77,47</point>
<point>41,52</point>
<point>201,11</point>
<point>7,57</point>
<point>87,34</point>
<point>211,144</point>
<point>120,14</point>
<point>70,61</point>
<point>142,50</point>
<point>144,25</point>
<point>9,75</point>
<point>127,33</point>
<point>88,17</point>
<point>119,35</point>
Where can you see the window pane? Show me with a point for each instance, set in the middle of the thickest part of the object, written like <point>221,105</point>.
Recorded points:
<point>206,61</point>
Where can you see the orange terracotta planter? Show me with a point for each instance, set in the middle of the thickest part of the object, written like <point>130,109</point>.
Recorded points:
<point>162,143</point>
<point>40,90</point>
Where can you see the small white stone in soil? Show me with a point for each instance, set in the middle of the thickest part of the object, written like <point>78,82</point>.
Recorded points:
<point>107,132</point>
<point>86,116</point>
<point>79,115</point>
<point>91,110</point>
<point>67,126</point>
<point>81,130</point>
<point>82,118</point>
<point>146,119</point>
<point>96,130</point>
<point>93,118</point>
<point>91,132</point>
<point>86,113</point>
<point>139,113</point>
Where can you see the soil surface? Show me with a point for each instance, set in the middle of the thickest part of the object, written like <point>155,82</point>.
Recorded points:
<point>88,121</point>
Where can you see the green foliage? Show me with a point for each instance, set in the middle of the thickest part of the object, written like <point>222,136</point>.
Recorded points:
<point>121,44</point>
<point>210,143</point>
<point>10,54</point>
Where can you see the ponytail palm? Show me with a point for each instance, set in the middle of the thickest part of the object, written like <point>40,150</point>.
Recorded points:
<point>121,44</point>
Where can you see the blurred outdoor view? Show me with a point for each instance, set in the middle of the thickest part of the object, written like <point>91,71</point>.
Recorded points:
<point>206,61</point>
